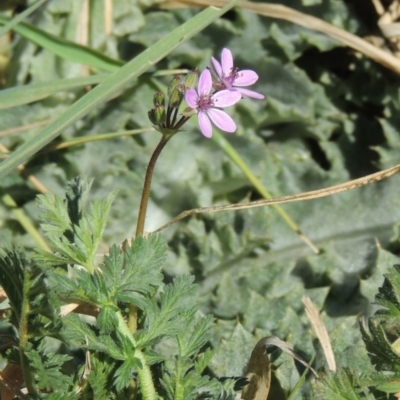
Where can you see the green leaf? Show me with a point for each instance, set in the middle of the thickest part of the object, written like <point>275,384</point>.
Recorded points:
<point>123,375</point>
<point>107,320</point>
<point>76,330</point>
<point>73,233</point>
<point>344,385</point>
<point>389,293</point>
<point>234,353</point>
<point>192,339</point>
<point>19,95</point>
<point>135,269</point>
<point>12,267</point>
<point>56,395</point>
<point>65,48</point>
<point>165,319</point>
<point>98,377</point>
<point>47,368</point>
<point>382,355</point>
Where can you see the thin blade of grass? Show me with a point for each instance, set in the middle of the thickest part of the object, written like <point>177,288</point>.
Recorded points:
<point>25,222</point>
<point>25,94</point>
<point>19,95</point>
<point>20,17</point>
<point>94,138</point>
<point>112,84</point>
<point>65,48</point>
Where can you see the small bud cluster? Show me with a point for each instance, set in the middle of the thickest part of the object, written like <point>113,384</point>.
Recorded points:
<point>165,118</point>
<point>207,98</point>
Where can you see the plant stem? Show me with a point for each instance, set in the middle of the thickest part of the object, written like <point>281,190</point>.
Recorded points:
<point>23,336</point>
<point>146,380</point>
<point>147,184</point>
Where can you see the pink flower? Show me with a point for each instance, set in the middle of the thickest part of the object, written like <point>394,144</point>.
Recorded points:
<point>207,105</point>
<point>230,77</point>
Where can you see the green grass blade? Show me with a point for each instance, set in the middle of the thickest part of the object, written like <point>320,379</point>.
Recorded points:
<point>112,84</point>
<point>95,138</point>
<point>25,94</point>
<point>20,17</point>
<point>64,48</point>
<point>25,222</point>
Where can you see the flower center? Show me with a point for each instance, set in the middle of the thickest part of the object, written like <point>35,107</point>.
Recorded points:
<point>229,80</point>
<point>204,103</point>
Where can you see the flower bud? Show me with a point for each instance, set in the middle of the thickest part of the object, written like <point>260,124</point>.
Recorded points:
<point>159,99</point>
<point>191,79</point>
<point>159,113</point>
<point>173,84</point>
<point>176,97</point>
<point>152,116</point>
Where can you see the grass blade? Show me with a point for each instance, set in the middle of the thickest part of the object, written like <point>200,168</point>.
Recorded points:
<point>25,94</point>
<point>20,17</point>
<point>64,48</point>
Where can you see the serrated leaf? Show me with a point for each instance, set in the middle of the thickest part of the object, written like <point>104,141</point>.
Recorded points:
<point>164,319</point>
<point>123,375</point>
<point>343,385</point>
<point>107,319</point>
<point>192,339</point>
<point>73,233</point>
<point>12,266</point>
<point>79,332</point>
<point>98,378</point>
<point>233,354</point>
<point>382,354</point>
<point>47,368</point>
<point>136,269</point>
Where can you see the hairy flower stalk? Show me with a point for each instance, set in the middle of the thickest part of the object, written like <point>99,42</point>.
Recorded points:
<point>167,122</point>
<point>147,184</point>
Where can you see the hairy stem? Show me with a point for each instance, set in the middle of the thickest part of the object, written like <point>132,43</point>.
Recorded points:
<point>132,319</point>
<point>23,337</point>
<point>147,185</point>
<point>144,372</point>
<point>179,392</point>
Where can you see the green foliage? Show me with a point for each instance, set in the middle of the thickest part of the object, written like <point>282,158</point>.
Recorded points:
<point>48,366</point>
<point>73,238</point>
<point>330,115</point>
<point>382,328</point>
<point>130,275</point>
<point>342,386</point>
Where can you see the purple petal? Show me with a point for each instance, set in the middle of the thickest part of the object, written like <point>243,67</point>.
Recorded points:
<point>191,98</point>
<point>250,93</point>
<point>204,124</point>
<point>205,83</point>
<point>226,98</point>
<point>245,78</point>
<point>222,120</point>
<point>217,67</point>
<point>226,61</point>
